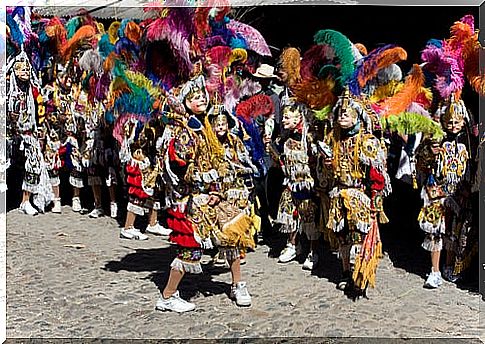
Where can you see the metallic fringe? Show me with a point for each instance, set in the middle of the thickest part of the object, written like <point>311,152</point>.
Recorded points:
<point>191,268</point>
<point>136,209</point>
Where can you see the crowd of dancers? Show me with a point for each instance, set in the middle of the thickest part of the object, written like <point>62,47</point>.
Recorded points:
<point>189,114</point>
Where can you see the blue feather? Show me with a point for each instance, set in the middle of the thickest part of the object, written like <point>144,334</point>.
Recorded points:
<point>109,117</point>
<point>121,30</point>
<point>125,44</point>
<point>238,42</point>
<point>105,47</point>
<point>435,42</point>
<point>16,35</point>
<point>20,11</point>
<point>71,26</point>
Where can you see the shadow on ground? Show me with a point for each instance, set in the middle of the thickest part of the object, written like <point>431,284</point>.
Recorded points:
<point>157,262</point>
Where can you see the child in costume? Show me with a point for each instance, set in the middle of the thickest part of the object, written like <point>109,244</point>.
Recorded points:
<point>446,215</point>
<point>297,208</point>
<point>358,162</point>
<point>194,188</point>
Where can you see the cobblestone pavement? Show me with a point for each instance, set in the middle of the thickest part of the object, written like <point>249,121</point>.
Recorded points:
<point>72,276</point>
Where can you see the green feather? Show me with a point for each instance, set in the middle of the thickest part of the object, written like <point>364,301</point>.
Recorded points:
<point>412,123</point>
<point>72,25</point>
<point>343,51</point>
<point>322,114</point>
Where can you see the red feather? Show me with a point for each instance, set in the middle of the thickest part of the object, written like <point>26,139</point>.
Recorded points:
<point>258,105</point>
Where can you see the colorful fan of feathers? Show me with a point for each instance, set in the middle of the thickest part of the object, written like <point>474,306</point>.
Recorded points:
<point>377,59</point>
<point>343,51</point>
<point>410,91</point>
<point>316,93</point>
<point>178,39</point>
<point>412,123</point>
<point>84,33</point>
<point>258,105</point>
<point>143,82</point>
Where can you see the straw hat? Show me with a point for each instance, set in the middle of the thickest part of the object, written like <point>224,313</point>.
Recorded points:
<point>265,71</point>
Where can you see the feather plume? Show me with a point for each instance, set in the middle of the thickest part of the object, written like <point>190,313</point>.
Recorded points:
<point>452,80</point>
<point>313,60</point>
<point>238,55</point>
<point>118,87</point>
<point>164,29</point>
<point>91,61</point>
<point>133,32</point>
<point>85,32</point>
<point>385,91</point>
<point>377,59</point>
<point>143,82</point>
<point>121,29</point>
<point>22,16</point>
<point>71,26</point>
<point>219,55</point>
<point>102,87</point>
<point>105,47</point>
<point>113,31</point>
<point>16,36</point>
<point>411,89</point>
<point>127,48</point>
<point>315,93</point>
<point>289,61</point>
<point>408,123</point>
<point>472,53</point>
<point>258,105</point>
<point>55,29</point>
<point>361,48</point>
<point>343,51</point>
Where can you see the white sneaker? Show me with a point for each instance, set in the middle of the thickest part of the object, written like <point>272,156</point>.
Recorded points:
<point>158,229</point>
<point>57,206</point>
<point>76,204</point>
<point>96,212</point>
<point>132,233</point>
<point>288,254</point>
<point>174,303</point>
<point>434,280</point>
<point>114,210</point>
<point>310,261</point>
<point>240,294</point>
<point>28,209</point>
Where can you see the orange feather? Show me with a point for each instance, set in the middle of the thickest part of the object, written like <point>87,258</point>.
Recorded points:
<point>471,54</point>
<point>315,93</point>
<point>84,32</point>
<point>409,92</point>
